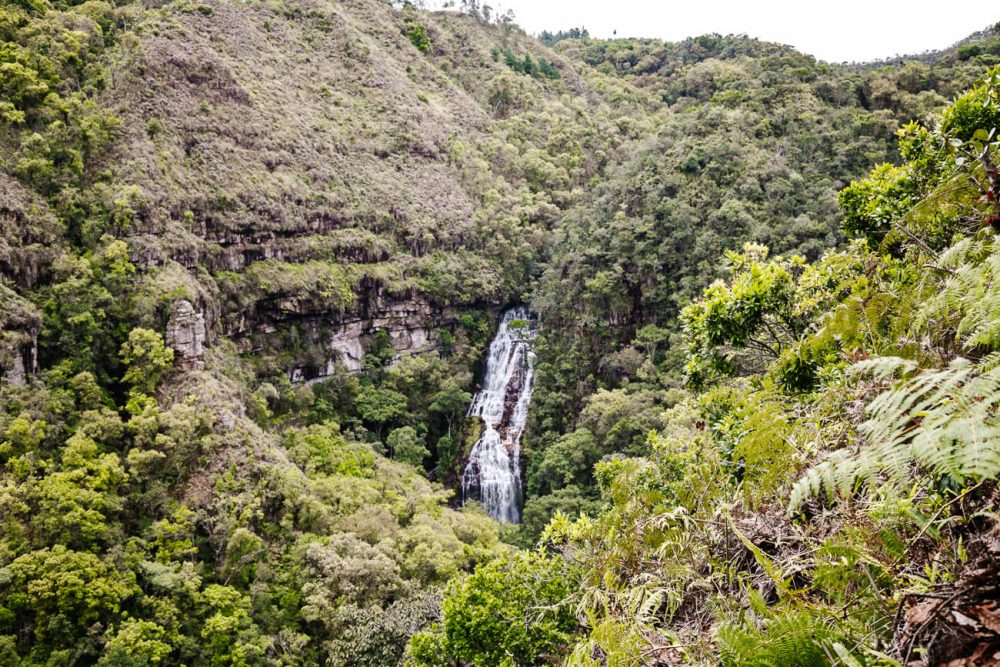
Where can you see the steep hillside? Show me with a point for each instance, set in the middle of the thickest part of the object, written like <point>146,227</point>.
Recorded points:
<point>823,491</point>
<point>251,255</point>
<point>755,145</point>
<point>321,167</point>
<point>204,204</point>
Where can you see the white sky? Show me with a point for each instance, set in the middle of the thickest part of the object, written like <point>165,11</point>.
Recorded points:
<point>832,30</point>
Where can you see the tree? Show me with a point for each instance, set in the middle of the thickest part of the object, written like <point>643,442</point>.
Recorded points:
<point>514,609</point>
<point>23,434</point>
<point>417,34</point>
<point>450,401</point>
<point>75,317</point>
<point>345,570</point>
<point>61,594</point>
<point>230,636</point>
<point>570,460</point>
<point>571,501</point>
<point>754,312</point>
<point>380,352</point>
<point>146,359</point>
<point>406,446</point>
<point>77,504</point>
<point>380,406</point>
<point>137,643</point>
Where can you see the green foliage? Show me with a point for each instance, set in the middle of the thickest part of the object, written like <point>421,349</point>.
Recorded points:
<point>560,475</point>
<point>617,644</point>
<point>407,447</point>
<point>380,351</point>
<point>231,636</point>
<point>77,504</point>
<point>513,609</point>
<point>959,436</point>
<point>975,110</point>
<point>378,638</point>
<point>146,359</point>
<point>137,644</point>
<point>417,34</point>
<point>317,281</point>
<point>321,448</point>
<point>572,501</point>
<point>23,435</point>
<point>75,328</point>
<point>868,374</point>
<point>872,204</point>
<point>543,68</point>
<point>61,593</point>
<point>796,640</point>
<point>756,312</point>
<point>380,406</point>
<point>647,240</point>
<point>551,39</point>
<point>427,648</point>
<point>476,326</point>
<point>961,314</point>
<point>568,461</point>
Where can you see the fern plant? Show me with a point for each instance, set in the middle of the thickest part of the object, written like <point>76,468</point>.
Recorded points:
<point>610,644</point>
<point>786,639</point>
<point>964,311</point>
<point>942,419</point>
<point>945,420</point>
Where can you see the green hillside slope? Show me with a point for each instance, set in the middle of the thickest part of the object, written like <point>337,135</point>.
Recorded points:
<point>251,254</point>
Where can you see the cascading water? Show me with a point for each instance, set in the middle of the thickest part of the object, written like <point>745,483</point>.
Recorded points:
<point>493,474</point>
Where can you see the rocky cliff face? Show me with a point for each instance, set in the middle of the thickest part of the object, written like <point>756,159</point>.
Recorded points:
<point>20,324</point>
<point>320,178</point>
<point>412,326</point>
<point>323,340</point>
<point>186,335</point>
<point>29,234</point>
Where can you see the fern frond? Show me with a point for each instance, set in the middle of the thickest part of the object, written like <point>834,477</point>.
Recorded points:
<point>946,421</point>
<point>883,368</point>
<point>967,304</point>
<point>788,639</point>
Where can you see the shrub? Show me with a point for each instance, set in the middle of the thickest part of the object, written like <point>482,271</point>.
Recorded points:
<point>513,609</point>
<point>418,36</point>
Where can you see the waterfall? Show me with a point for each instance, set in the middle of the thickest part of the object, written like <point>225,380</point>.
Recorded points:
<point>493,474</point>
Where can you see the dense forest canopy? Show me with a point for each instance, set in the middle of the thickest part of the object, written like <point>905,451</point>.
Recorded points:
<point>252,256</point>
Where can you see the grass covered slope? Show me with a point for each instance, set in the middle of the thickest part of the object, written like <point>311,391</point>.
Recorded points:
<point>397,154</point>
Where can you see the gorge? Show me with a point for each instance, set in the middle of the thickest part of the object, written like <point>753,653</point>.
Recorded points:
<point>350,333</point>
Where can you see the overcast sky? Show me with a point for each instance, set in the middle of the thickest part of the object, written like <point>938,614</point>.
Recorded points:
<point>834,30</point>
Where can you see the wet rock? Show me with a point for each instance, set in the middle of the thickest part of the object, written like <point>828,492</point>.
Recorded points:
<point>493,472</point>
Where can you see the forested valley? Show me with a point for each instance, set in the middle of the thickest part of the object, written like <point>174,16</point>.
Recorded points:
<point>354,333</point>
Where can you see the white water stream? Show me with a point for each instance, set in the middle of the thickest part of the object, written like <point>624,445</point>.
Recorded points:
<point>493,474</point>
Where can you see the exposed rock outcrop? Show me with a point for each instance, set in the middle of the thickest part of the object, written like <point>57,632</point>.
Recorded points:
<point>412,326</point>
<point>20,324</point>
<point>186,335</point>
<point>29,234</point>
